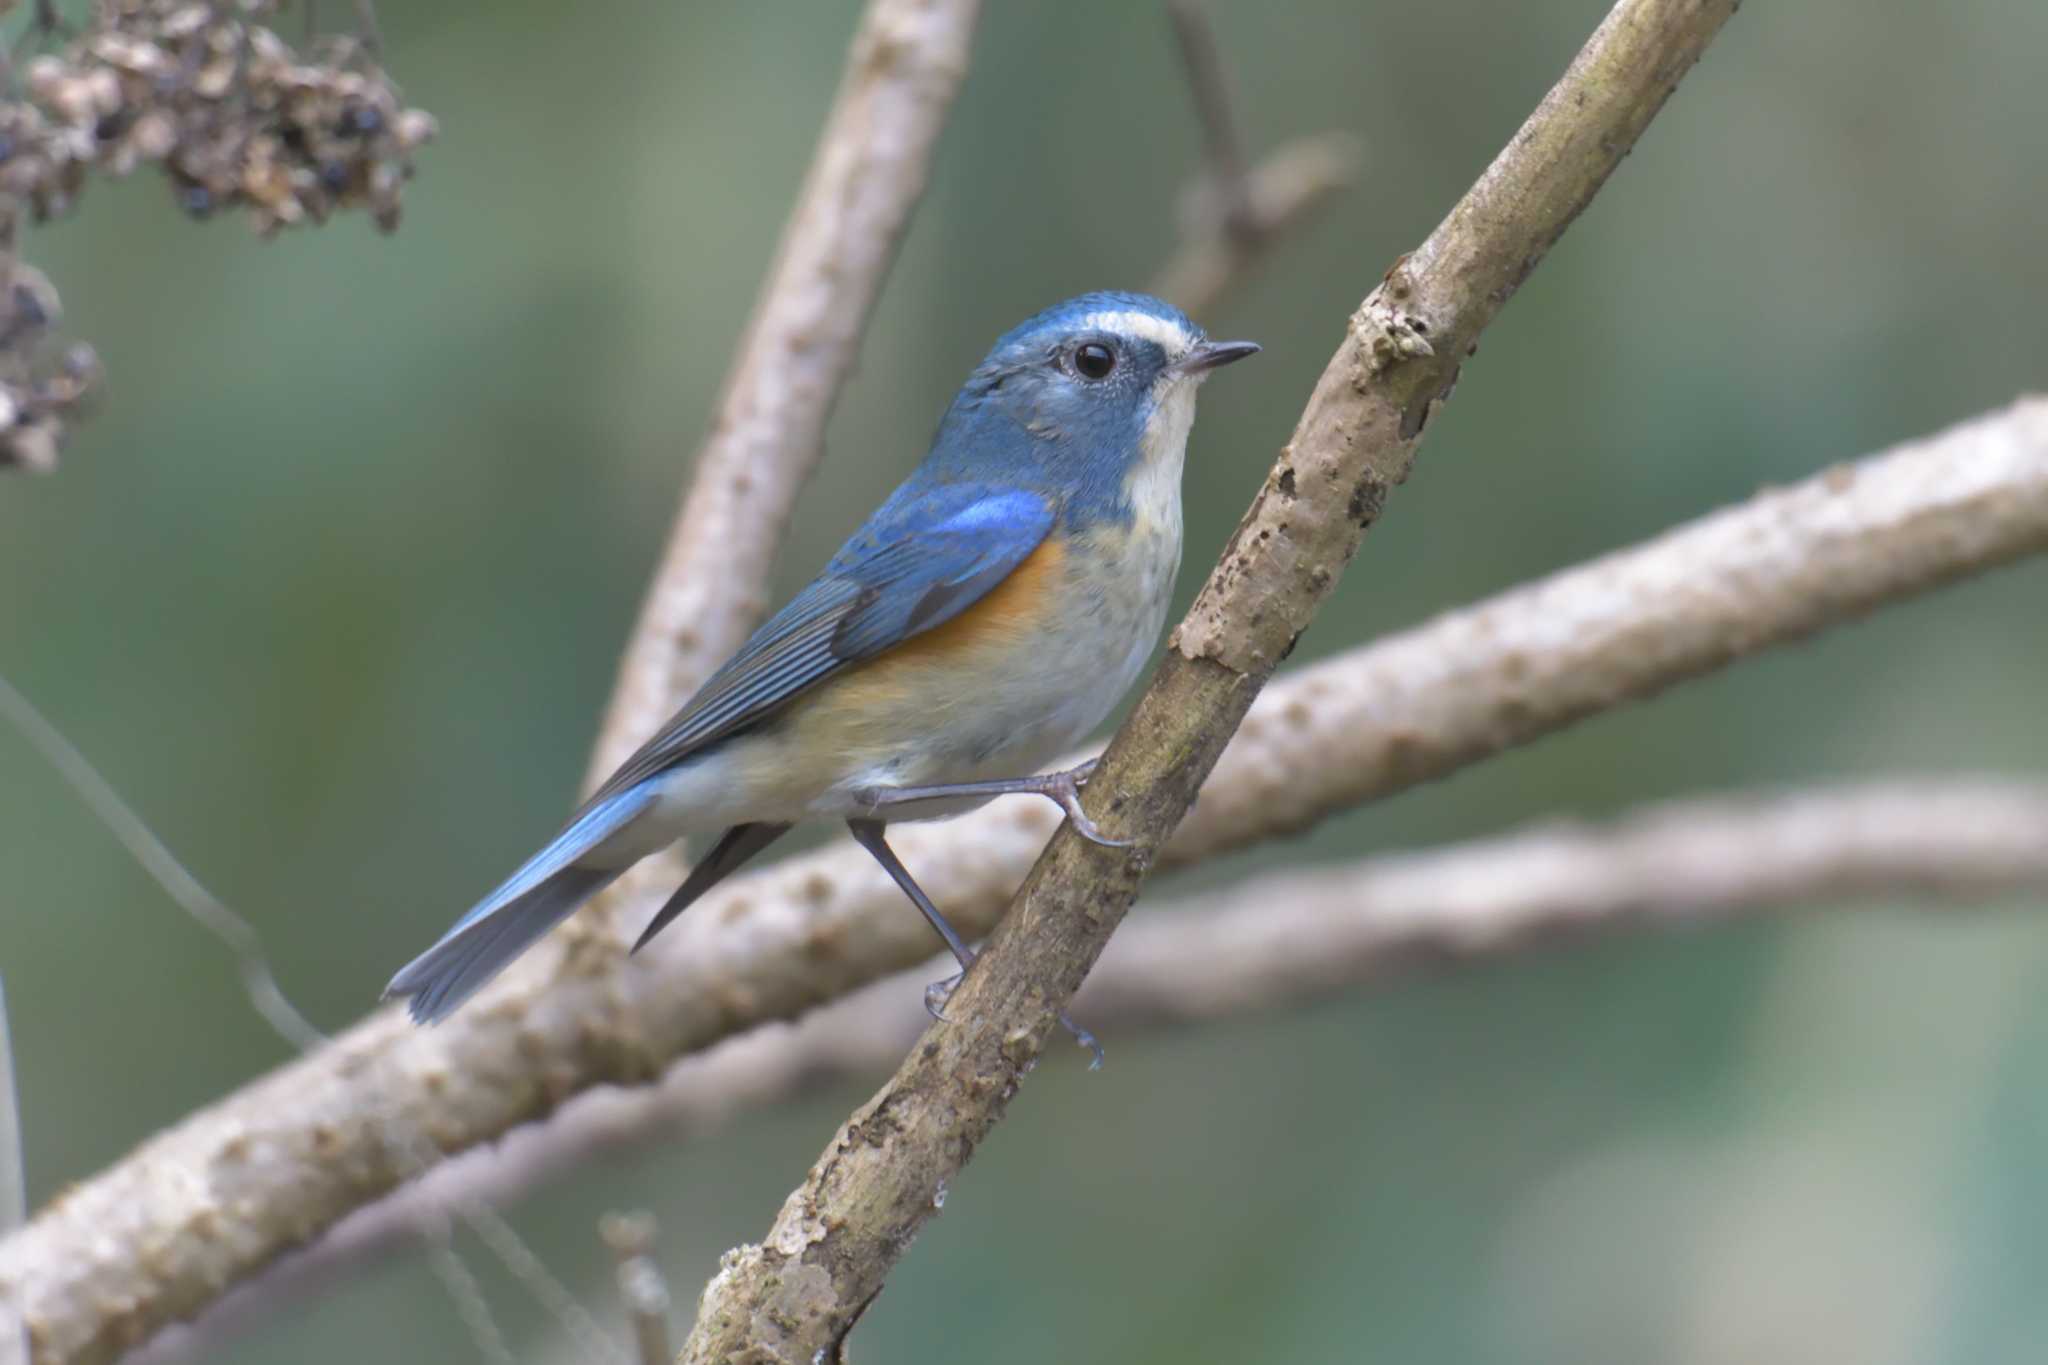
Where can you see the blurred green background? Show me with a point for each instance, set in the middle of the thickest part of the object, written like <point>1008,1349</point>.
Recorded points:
<point>333,588</point>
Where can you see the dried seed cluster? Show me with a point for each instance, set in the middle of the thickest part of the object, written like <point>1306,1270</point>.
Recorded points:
<point>208,92</point>
<point>38,389</point>
<point>230,111</point>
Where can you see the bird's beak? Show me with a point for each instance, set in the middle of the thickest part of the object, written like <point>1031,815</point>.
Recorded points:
<point>1211,354</point>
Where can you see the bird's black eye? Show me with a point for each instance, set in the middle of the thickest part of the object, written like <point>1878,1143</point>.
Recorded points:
<point>1094,360</point>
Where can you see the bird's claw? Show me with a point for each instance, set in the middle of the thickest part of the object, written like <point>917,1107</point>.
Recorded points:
<point>1083,1038</point>
<point>1065,790</point>
<point>938,993</point>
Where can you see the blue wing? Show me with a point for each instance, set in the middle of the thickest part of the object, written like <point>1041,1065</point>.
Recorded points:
<point>929,553</point>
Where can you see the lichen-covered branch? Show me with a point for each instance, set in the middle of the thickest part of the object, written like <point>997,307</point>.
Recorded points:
<point>796,1296</point>
<point>1281,941</point>
<point>287,1156</point>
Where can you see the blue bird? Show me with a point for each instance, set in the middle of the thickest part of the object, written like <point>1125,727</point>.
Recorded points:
<point>987,617</point>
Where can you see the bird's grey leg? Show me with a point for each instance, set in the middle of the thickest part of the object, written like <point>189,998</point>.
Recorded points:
<point>868,834</point>
<point>1063,789</point>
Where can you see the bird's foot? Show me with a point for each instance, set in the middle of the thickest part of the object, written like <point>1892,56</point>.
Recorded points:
<point>939,992</point>
<point>1062,788</point>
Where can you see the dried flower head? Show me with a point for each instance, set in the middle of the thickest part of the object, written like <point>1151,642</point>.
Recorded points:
<point>39,390</point>
<point>234,116</point>
<point>232,113</point>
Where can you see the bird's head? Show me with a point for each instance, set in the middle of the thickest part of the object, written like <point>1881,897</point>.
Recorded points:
<point>1085,397</point>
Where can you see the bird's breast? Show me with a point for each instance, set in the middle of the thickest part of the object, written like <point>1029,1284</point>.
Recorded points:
<point>1018,678</point>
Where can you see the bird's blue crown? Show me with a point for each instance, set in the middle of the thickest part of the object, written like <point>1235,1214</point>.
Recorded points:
<point>1071,315</point>
<point>1062,401</point>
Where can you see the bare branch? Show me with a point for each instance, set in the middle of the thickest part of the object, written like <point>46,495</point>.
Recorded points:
<point>288,1155</point>
<point>796,1296</point>
<point>1224,139</point>
<point>1286,189</point>
<point>1281,941</point>
<point>13,1186</point>
<point>641,1286</point>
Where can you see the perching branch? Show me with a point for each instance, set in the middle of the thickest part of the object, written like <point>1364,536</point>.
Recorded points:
<point>795,1297</point>
<point>1285,940</point>
<point>286,1156</point>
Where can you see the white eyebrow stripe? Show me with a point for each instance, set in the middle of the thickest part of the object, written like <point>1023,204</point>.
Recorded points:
<point>1167,334</point>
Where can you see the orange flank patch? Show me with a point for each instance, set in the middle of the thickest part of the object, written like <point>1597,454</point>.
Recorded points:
<point>868,709</point>
<point>1012,608</point>
<point>867,714</point>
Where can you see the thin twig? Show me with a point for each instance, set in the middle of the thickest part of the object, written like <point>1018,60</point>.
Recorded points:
<point>165,870</point>
<point>13,1188</point>
<point>795,1296</point>
<point>1238,212</point>
<point>1287,189</point>
<point>267,998</point>
<point>641,1286</point>
<point>13,1166</point>
<point>1229,171</point>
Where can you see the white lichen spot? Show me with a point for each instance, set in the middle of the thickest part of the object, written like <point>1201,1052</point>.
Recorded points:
<point>1389,334</point>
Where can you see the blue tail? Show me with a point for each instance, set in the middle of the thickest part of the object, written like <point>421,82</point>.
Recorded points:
<point>540,895</point>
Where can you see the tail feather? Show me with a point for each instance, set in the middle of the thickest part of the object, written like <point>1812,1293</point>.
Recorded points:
<point>734,847</point>
<point>533,900</point>
<point>454,969</point>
